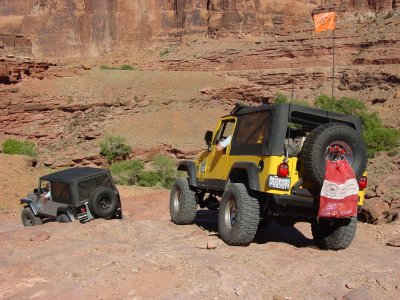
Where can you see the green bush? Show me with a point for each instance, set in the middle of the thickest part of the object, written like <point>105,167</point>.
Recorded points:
<point>349,106</point>
<point>127,68</point>
<point>11,146</point>
<point>164,52</point>
<point>149,178</point>
<point>165,167</point>
<point>123,68</point>
<point>114,148</point>
<point>376,136</point>
<point>127,172</point>
<point>280,98</point>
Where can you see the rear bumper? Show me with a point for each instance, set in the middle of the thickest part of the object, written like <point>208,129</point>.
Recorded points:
<point>296,201</point>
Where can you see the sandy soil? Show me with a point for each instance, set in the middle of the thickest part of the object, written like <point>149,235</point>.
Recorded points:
<point>146,256</point>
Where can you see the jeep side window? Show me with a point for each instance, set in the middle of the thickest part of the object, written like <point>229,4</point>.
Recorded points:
<point>60,192</point>
<point>104,180</point>
<point>86,187</point>
<point>251,133</point>
<point>226,130</point>
<point>252,128</point>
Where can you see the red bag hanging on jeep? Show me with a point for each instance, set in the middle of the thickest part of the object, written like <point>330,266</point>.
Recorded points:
<point>339,194</point>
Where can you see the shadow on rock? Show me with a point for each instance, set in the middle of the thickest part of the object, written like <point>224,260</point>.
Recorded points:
<point>273,232</point>
<point>208,220</point>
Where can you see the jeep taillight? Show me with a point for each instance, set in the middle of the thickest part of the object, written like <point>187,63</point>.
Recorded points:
<point>283,170</point>
<point>83,209</point>
<point>362,182</point>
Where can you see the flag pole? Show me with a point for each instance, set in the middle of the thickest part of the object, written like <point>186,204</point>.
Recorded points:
<point>333,63</point>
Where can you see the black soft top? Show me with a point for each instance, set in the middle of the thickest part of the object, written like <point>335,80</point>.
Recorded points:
<point>73,175</point>
<point>310,115</point>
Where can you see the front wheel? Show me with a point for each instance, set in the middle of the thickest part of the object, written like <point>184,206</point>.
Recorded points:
<point>182,202</point>
<point>29,219</point>
<point>336,234</point>
<point>239,215</point>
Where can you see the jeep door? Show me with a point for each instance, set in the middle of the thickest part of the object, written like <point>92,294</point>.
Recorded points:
<point>60,196</point>
<point>215,163</point>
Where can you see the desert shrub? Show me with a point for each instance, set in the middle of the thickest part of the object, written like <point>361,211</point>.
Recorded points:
<point>123,68</point>
<point>127,172</point>
<point>165,167</point>
<point>349,106</point>
<point>280,98</point>
<point>11,146</point>
<point>376,136</point>
<point>114,148</point>
<point>164,52</point>
<point>127,68</point>
<point>149,178</point>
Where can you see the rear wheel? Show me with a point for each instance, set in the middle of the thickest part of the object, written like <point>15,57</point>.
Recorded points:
<point>63,218</point>
<point>182,202</point>
<point>239,215</point>
<point>336,234</point>
<point>28,218</point>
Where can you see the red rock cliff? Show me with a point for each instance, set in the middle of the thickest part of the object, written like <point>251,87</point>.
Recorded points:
<point>74,28</point>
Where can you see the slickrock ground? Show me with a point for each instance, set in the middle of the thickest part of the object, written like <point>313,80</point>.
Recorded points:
<point>146,256</point>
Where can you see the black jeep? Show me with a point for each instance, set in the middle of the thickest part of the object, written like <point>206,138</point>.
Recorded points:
<point>74,194</point>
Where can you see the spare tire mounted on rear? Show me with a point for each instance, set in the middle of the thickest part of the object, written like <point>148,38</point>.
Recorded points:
<point>332,141</point>
<point>103,202</point>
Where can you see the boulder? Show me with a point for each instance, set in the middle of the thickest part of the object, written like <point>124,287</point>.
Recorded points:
<point>358,294</point>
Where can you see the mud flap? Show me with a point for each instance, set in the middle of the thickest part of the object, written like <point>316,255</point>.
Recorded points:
<point>339,194</point>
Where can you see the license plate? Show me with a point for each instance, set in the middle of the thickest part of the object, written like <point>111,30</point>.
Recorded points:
<point>279,183</point>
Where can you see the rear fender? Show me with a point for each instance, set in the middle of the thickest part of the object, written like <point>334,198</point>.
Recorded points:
<point>246,173</point>
<point>67,211</point>
<point>190,167</point>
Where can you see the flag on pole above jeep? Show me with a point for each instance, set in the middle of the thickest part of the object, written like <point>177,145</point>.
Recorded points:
<point>325,21</point>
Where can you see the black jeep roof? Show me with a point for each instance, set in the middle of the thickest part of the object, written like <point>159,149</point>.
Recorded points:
<point>313,116</point>
<point>73,174</point>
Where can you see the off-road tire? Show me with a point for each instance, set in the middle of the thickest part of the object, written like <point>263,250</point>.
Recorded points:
<point>315,146</point>
<point>334,236</point>
<point>29,219</point>
<point>103,202</point>
<point>182,202</point>
<point>239,215</point>
<point>63,218</point>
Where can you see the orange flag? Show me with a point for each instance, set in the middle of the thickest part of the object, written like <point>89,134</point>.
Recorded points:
<point>325,21</point>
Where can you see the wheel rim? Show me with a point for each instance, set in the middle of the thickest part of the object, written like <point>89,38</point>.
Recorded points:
<point>339,150</point>
<point>176,200</point>
<point>230,213</point>
<point>28,220</point>
<point>105,203</point>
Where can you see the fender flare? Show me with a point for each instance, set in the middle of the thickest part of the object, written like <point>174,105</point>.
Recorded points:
<point>66,211</point>
<point>251,171</point>
<point>190,167</point>
<point>31,204</point>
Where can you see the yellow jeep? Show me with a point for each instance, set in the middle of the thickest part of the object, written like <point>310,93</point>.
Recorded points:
<point>272,168</point>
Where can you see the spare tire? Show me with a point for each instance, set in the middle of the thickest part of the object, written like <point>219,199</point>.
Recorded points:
<point>332,141</point>
<point>103,202</point>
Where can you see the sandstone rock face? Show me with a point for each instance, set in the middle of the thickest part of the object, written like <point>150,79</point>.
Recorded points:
<point>75,28</point>
<point>376,5</point>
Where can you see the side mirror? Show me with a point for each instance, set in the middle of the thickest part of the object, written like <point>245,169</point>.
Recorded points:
<point>208,137</point>
<point>36,191</point>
